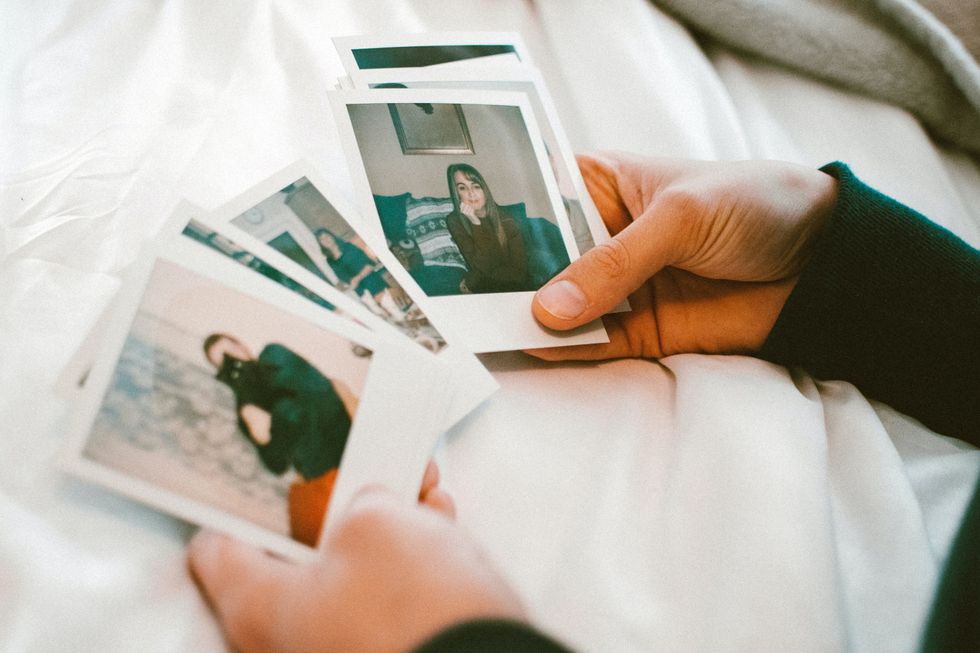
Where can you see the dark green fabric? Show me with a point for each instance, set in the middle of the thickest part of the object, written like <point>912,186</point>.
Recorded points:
<point>491,636</point>
<point>954,624</point>
<point>309,423</point>
<point>308,415</point>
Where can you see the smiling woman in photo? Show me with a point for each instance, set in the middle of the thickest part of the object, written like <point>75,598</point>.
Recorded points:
<point>487,235</point>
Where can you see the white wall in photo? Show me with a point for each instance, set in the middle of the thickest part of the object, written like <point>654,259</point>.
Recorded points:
<point>503,155</point>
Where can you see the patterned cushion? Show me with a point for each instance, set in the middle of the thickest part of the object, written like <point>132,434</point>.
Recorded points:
<point>425,222</point>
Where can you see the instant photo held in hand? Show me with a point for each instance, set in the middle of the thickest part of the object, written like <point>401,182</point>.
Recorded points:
<point>223,398</point>
<point>457,184</point>
<point>586,223</point>
<point>493,61</point>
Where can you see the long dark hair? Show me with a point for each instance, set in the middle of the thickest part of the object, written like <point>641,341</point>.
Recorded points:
<point>336,241</point>
<point>471,173</point>
<point>214,338</point>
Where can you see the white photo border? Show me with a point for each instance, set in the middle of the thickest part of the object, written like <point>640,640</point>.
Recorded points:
<point>506,73</point>
<point>503,321</point>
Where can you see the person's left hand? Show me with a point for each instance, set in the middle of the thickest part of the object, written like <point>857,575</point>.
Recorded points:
<point>391,576</point>
<point>469,211</point>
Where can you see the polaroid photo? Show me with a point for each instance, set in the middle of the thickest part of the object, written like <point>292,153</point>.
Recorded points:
<point>227,401</point>
<point>430,49</point>
<point>458,185</point>
<point>302,233</point>
<point>587,224</point>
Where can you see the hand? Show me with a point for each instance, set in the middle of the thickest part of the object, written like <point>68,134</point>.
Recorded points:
<point>707,252</point>
<point>391,577</point>
<point>258,422</point>
<point>360,276</point>
<point>469,211</point>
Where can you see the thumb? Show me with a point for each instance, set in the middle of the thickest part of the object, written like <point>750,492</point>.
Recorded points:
<point>604,276</point>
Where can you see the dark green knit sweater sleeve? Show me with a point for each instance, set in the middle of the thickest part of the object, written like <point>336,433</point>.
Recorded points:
<point>890,302</point>
<point>491,636</point>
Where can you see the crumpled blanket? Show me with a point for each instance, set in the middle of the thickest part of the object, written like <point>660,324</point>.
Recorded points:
<point>894,50</point>
<point>699,503</point>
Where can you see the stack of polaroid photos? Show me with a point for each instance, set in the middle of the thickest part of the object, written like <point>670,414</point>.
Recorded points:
<point>267,358</point>
<point>461,169</point>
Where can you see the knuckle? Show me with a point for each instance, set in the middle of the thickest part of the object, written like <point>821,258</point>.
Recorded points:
<point>682,202</point>
<point>688,212</point>
<point>610,259</point>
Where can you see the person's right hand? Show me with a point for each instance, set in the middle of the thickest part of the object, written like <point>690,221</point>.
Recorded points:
<point>708,253</point>
<point>469,212</point>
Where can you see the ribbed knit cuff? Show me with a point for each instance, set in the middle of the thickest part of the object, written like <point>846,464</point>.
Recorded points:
<point>889,301</point>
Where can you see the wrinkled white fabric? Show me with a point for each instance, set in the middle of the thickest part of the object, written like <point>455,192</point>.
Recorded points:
<point>701,503</point>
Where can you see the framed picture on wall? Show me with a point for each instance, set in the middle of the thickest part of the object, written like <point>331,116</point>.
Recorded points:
<point>431,128</point>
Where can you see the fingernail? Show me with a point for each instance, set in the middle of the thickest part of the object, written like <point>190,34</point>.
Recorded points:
<point>563,299</point>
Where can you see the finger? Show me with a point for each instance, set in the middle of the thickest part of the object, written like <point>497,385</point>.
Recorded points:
<point>606,274</point>
<point>373,516</point>
<point>623,343</point>
<point>440,501</point>
<point>430,479</point>
<point>371,498</point>
<point>632,334</point>
<point>623,184</point>
<point>600,175</point>
<point>239,582</point>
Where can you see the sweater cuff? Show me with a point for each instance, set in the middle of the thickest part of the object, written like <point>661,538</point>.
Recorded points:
<point>889,302</point>
<point>491,636</point>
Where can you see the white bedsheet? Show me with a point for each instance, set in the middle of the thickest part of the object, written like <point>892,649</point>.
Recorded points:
<point>699,503</point>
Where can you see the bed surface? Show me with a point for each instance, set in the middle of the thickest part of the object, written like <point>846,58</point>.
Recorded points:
<point>696,503</point>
